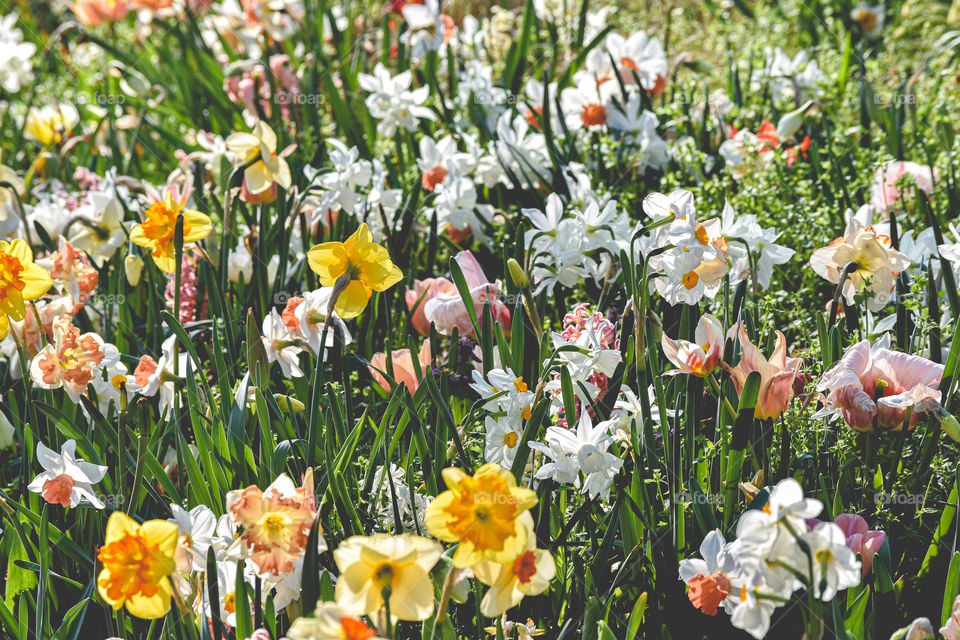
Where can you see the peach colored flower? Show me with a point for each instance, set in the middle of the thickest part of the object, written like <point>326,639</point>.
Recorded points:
<point>700,357</point>
<point>403,368</point>
<point>71,271</point>
<point>874,382</point>
<point>92,12</point>
<point>776,374</point>
<point>448,310</point>
<point>422,291</point>
<point>275,523</point>
<point>71,361</point>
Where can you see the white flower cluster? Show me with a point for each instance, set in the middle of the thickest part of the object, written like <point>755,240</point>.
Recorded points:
<point>775,554</point>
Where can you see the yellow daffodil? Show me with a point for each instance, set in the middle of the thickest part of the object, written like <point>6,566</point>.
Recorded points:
<point>398,565</point>
<point>260,148</point>
<point>528,574</point>
<point>20,280</point>
<point>157,231</point>
<point>357,267</point>
<point>52,123</point>
<point>137,560</point>
<point>482,513</point>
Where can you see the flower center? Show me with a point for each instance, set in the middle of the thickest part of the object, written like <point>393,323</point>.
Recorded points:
<point>58,490</point>
<point>690,279</point>
<point>707,592</point>
<point>510,439</point>
<point>230,603</point>
<point>10,268</point>
<point>594,115</point>
<point>355,629</point>
<point>628,63</point>
<point>525,567</point>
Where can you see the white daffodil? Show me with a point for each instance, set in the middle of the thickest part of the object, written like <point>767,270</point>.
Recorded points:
<point>66,480</point>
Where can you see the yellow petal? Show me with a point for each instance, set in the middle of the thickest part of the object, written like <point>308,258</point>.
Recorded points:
<point>4,326</point>
<point>167,264</point>
<point>138,238</point>
<point>265,134</point>
<point>21,251</point>
<point>329,261</point>
<point>257,178</point>
<point>36,281</point>
<point>352,300</point>
<point>199,223</point>
<point>156,606</point>
<point>161,533</point>
<point>119,525</point>
<point>13,306</point>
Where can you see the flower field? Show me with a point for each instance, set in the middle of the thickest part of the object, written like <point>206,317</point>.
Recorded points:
<point>353,319</point>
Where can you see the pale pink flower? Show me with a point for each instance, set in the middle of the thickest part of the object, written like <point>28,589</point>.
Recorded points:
<point>776,374</point>
<point>951,630</point>
<point>403,367</point>
<point>884,192</point>
<point>422,291</point>
<point>700,357</point>
<point>860,539</point>
<point>448,310</point>
<point>909,384</point>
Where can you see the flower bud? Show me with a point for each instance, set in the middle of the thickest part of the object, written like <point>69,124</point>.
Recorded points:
<point>133,267</point>
<point>791,122</point>
<point>517,274</point>
<point>288,403</point>
<point>950,426</point>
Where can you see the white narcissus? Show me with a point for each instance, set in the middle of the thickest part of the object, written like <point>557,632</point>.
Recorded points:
<point>66,480</point>
<point>710,576</point>
<point>330,621</point>
<point>583,450</point>
<point>196,528</point>
<point>835,566</point>
<point>280,345</point>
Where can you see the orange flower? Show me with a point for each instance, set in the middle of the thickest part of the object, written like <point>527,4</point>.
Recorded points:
<point>137,560</point>
<point>482,513</point>
<point>71,360</point>
<point>275,522</point>
<point>157,231</point>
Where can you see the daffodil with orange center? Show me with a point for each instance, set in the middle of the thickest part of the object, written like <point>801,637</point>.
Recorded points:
<point>528,574</point>
<point>159,227</point>
<point>20,281</point>
<point>357,268</point>
<point>482,513</point>
<point>71,360</point>
<point>137,562</point>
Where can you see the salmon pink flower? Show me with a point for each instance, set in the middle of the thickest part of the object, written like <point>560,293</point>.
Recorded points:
<point>776,374</point>
<point>403,368</point>
<point>275,522</point>
<point>66,480</point>
<point>874,383</point>
<point>71,361</point>
<point>700,357</point>
<point>92,12</point>
<point>885,193</point>
<point>71,271</point>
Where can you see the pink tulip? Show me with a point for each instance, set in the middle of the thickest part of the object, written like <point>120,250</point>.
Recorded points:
<point>422,291</point>
<point>776,374</point>
<point>698,358</point>
<point>92,12</point>
<point>449,311</point>
<point>403,369</point>
<point>860,539</point>
<point>909,383</point>
<point>884,194</point>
